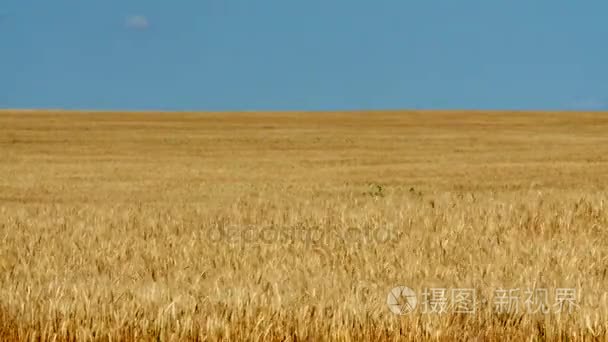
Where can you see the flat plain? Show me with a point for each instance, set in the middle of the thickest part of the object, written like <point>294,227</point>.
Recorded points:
<point>296,226</point>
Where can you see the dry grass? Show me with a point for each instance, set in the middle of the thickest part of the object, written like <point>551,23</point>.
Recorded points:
<point>111,224</point>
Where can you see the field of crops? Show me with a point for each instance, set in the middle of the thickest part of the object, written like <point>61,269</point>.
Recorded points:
<point>297,226</point>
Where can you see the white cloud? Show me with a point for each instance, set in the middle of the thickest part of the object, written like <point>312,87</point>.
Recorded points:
<point>137,22</point>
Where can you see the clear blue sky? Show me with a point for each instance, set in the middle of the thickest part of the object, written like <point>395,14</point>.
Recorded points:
<point>304,54</point>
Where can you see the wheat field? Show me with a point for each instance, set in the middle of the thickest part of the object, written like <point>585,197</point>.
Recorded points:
<point>296,226</point>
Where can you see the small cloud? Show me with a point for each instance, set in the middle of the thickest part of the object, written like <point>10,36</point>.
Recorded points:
<point>137,22</point>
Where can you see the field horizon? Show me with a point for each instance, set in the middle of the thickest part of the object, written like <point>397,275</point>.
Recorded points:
<point>299,225</point>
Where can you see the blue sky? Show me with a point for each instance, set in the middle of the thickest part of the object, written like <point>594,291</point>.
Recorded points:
<point>303,54</point>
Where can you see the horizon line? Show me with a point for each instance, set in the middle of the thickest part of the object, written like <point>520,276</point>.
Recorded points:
<point>294,111</point>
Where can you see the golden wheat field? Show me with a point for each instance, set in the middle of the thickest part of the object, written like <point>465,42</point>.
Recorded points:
<point>297,226</point>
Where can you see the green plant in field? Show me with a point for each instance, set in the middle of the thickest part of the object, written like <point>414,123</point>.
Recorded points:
<point>376,190</point>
